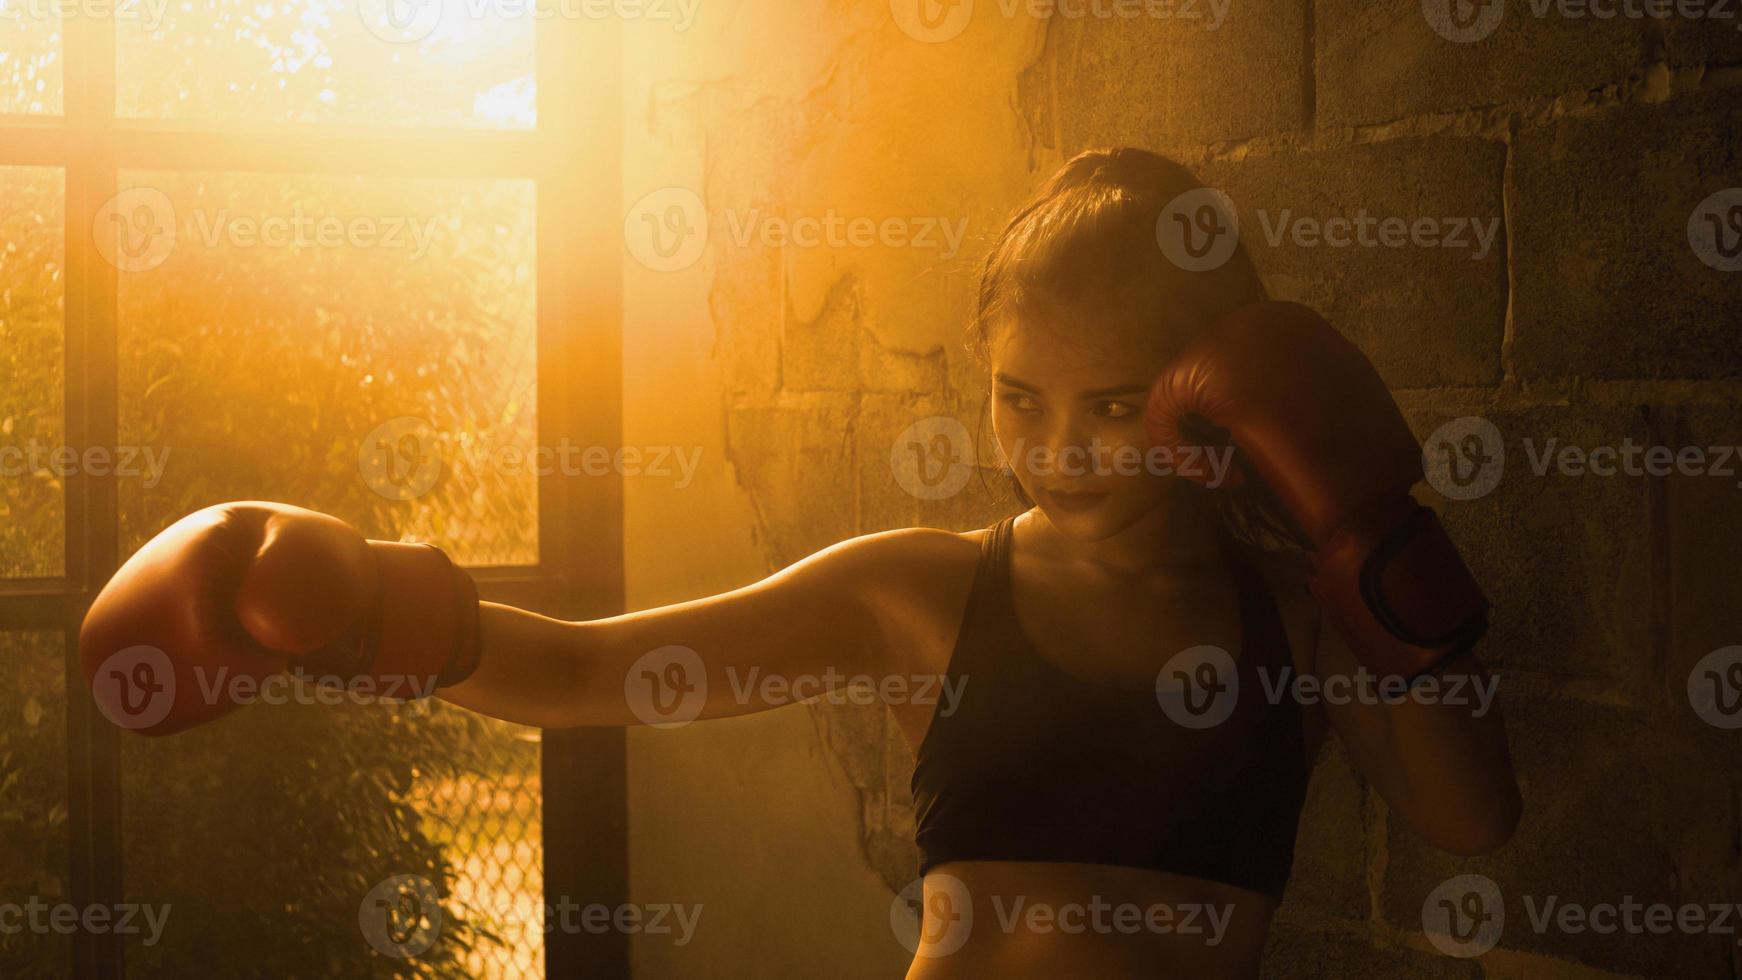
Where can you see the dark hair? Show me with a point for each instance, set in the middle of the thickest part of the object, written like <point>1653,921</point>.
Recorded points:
<point>1089,234</point>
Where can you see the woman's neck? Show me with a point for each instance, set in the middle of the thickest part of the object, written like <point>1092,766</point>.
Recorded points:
<point>1182,529</point>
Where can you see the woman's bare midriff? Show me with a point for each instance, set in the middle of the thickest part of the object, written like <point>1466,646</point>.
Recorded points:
<point>1048,920</point>
<point>1079,920</point>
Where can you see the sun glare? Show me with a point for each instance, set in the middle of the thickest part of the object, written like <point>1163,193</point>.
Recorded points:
<point>453,64</point>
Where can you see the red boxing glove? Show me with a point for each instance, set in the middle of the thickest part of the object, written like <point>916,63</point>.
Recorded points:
<point>1308,414</point>
<point>234,594</point>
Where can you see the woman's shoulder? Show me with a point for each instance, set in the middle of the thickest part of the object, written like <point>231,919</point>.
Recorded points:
<point>919,575</point>
<point>907,554</point>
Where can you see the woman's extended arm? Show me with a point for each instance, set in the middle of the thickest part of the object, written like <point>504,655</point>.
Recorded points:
<point>804,630</point>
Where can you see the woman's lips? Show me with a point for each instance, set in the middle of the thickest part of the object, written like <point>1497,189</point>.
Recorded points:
<point>1073,502</point>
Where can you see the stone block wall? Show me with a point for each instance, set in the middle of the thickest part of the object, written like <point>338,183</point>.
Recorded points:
<point>1562,157</point>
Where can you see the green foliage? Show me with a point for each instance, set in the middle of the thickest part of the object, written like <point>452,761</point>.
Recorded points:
<point>260,371</point>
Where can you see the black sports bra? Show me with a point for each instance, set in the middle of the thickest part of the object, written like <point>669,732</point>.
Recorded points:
<point>1037,764</point>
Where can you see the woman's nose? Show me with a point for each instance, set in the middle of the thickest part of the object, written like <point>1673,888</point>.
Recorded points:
<point>1066,447</point>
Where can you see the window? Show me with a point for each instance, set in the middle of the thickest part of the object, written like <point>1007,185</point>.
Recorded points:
<point>359,256</point>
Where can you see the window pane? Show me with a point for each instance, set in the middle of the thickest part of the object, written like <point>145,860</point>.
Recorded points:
<point>297,814</point>
<point>489,819</point>
<point>30,62</point>
<point>274,334</point>
<point>399,62</point>
<point>33,798</point>
<point>32,372</point>
<point>364,347</point>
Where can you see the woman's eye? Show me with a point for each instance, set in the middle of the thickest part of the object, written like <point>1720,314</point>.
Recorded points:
<point>1116,410</point>
<point>1022,403</point>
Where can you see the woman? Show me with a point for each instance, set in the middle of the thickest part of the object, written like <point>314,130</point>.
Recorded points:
<point>1093,805</point>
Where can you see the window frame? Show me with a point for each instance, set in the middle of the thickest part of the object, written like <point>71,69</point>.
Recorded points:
<point>572,156</point>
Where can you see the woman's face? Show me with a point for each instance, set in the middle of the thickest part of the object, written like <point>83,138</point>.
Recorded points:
<point>1067,411</point>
